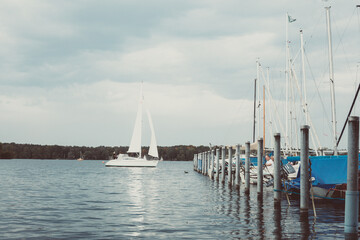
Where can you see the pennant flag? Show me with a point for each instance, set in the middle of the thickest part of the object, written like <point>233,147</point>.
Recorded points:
<point>291,19</point>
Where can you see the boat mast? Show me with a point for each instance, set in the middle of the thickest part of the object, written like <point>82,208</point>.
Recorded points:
<point>331,76</point>
<point>264,118</point>
<point>304,77</point>
<point>258,95</point>
<point>270,102</point>
<point>287,86</point>
<point>254,110</point>
<point>304,100</point>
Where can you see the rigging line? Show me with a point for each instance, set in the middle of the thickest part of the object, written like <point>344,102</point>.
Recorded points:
<point>341,42</point>
<point>295,56</point>
<point>345,29</point>
<point>351,108</point>
<point>316,26</point>
<point>318,92</point>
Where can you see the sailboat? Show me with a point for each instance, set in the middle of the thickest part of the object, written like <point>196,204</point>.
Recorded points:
<point>124,160</point>
<point>81,157</point>
<point>328,173</point>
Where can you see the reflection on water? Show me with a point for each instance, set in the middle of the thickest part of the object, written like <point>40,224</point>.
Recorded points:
<point>304,224</point>
<point>247,210</point>
<point>277,220</point>
<point>73,200</point>
<point>260,217</point>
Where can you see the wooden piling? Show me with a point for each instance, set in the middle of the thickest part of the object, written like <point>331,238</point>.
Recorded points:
<point>230,167</point>
<point>217,164</point>
<point>203,162</point>
<point>304,168</point>
<point>260,167</point>
<point>223,164</point>
<point>206,163</point>
<point>277,164</point>
<point>212,164</point>
<point>195,162</point>
<point>247,167</point>
<point>352,193</point>
<point>237,170</point>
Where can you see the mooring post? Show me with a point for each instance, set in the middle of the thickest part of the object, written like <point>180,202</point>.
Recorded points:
<point>212,164</point>
<point>352,191</point>
<point>217,164</point>
<point>205,160</point>
<point>247,167</point>
<point>304,168</point>
<point>207,163</point>
<point>277,165</point>
<point>223,165</point>
<point>230,166</point>
<point>194,162</point>
<point>237,170</point>
<point>260,166</point>
<point>199,163</point>
<point>202,162</point>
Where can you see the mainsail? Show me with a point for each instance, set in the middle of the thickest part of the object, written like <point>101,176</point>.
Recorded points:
<point>135,144</point>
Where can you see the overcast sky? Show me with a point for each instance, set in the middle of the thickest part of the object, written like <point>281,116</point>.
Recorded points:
<point>71,71</point>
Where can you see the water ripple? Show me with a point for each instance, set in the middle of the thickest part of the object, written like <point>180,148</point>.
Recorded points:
<point>45,199</point>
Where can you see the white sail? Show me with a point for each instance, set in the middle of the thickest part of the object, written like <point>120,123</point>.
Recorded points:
<point>124,160</point>
<point>153,151</point>
<point>135,144</point>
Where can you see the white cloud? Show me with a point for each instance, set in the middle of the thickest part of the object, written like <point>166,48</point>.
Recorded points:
<point>73,69</point>
<point>106,110</point>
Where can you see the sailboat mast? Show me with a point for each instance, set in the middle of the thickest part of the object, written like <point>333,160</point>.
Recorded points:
<point>287,86</point>
<point>331,76</point>
<point>258,96</point>
<point>254,111</point>
<point>304,77</point>
<point>264,117</point>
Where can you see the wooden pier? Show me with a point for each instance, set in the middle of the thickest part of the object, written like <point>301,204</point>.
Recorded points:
<point>220,166</point>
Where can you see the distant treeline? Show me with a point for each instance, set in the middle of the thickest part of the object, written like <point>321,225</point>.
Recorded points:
<point>31,151</point>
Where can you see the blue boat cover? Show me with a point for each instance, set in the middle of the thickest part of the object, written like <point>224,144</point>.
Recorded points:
<point>253,161</point>
<point>327,169</point>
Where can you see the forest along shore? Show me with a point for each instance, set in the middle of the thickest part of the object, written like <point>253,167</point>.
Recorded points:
<point>33,151</point>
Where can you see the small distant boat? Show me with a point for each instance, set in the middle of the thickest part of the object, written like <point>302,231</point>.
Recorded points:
<point>124,160</point>
<point>81,157</point>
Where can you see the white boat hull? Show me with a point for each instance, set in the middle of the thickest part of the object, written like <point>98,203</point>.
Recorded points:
<point>132,162</point>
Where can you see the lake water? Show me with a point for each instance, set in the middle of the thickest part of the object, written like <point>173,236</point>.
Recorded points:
<point>53,199</point>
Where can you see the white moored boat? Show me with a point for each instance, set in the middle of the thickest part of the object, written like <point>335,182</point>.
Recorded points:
<point>124,160</point>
